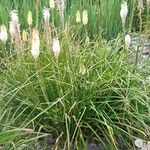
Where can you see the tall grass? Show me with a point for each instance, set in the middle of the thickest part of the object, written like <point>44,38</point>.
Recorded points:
<point>91,94</point>
<point>106,103</point>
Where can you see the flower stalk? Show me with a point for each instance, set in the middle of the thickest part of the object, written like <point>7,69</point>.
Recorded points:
<point>61,8</point>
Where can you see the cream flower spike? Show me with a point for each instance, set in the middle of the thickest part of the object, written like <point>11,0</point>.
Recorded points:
<point>29,18</point>
<point>127,40</point>
<point>56,48</point>
<point>3,34</point>
<point>148,3</point>
<point>78,16</point>
<point>52,4</point>
<point>85,17</point>
<point>46,13</point>
<point>14,29</point>
<point>124,12</point>
<point>35,50</point>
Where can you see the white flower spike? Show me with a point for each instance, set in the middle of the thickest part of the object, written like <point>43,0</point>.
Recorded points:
<point>127,40</point>
<point>124,12</point>
<point>35,44</point>
<point>56,48</point>
<point>78,17</point>
<point>3,34</point>
<point>47,27</point>
<point>14,16</point>
<point>52,4</point>
<point>46,14</point>
<point>140,6</point>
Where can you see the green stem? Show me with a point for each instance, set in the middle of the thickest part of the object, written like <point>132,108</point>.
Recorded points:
<point>37,12</point>
<point>41,83</point>
<point>100,22</point>
<point>137,52</point>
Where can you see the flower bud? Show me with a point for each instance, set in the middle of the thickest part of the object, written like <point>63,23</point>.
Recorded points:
<point>35,44</point>
<point>29,18</point>
<point>123,12</point>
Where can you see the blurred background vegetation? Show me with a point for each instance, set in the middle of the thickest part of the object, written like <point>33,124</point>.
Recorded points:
<point>103,13</point>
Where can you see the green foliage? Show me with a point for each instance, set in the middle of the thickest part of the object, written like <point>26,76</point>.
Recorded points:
<point>105,103</point>
<point>93,92</point>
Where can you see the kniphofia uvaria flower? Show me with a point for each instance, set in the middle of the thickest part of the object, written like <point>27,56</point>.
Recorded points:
<point>35,49</point>
<point>123,12</point>
<point>85,17</point>
<point>56,48</point>
<point>3,34</point>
